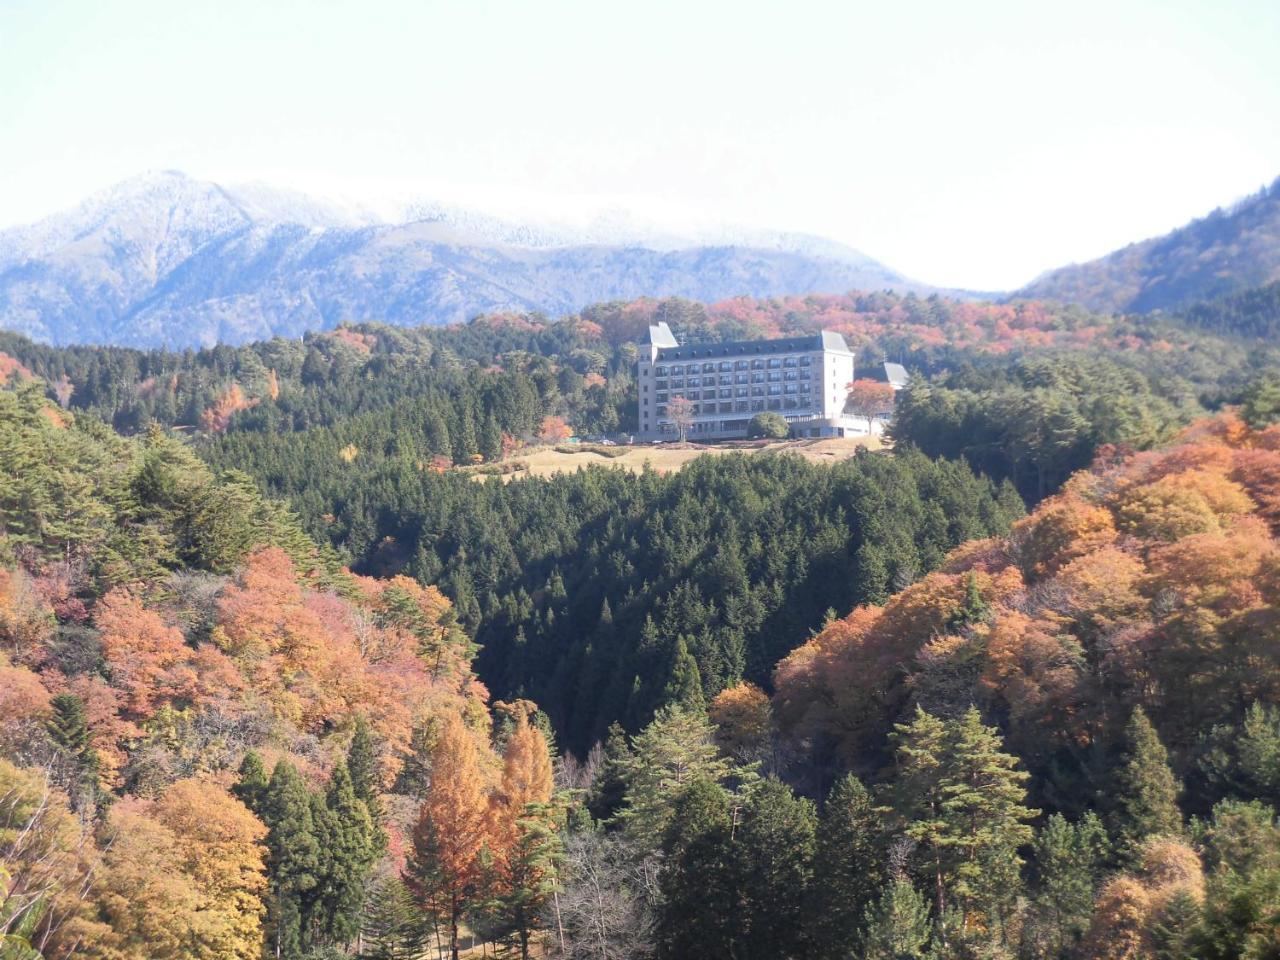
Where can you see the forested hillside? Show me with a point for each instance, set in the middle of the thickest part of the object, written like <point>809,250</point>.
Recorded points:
<point>162,628</point>
<point>1046,736</point>
<point>1222,253</point>
<point>1252,314</point>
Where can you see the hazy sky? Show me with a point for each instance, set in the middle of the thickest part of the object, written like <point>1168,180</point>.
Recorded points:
<point>964,143</point>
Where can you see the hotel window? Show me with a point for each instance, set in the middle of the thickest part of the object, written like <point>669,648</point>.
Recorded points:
<point>790,388</point>
<point>726,393</point>
<point>757,364</point>
<point>741,378</point>
<point>741,365</point>
<point>662,371</point>
<point>774,376</point>
<point>775,404</point>
<point>725,380</point>
<point>806,361</point>
<point>662,398</point>
<point>757,391</point>
<point>790,375</point>
<point>726,408</point>
<point>695,381</point>
<point>677,384</point>
<point>774,362</point>
<point>774,390</point>
<point>726,365</point>
<point>677,370</point>
<point>708,368</point>
<point>757,378</point>
<point>740,392</point>
<point>789,362</point>
<point>806,374</point>
<point>660,384</point>
<point>742,406</point>
<point>757,404</point>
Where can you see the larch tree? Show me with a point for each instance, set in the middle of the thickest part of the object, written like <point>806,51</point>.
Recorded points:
<point>525,841</point>
<point>453,827</point>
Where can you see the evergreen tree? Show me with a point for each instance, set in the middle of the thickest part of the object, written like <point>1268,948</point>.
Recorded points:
<point>701,914</point>
<point>293,863</point>
<point>1176,928</point>
<point>673,751</point>
<point>774,855</point>
<point>352,853</point>
<point>958,796</point>
<point>251,788</point>
<point>68,727</point>
<point>1069,861</point>
<point>1261,402</point>
<point>610,786</point>
<point>393,927</point>
<point>684,681</point>
<point>848,867</point>
<point>362,764</point>
<point>1146,789</point>
<point>986,816</point>
<point>897,924</point>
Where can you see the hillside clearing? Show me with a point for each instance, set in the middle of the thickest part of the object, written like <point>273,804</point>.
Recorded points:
<point>546,461</point>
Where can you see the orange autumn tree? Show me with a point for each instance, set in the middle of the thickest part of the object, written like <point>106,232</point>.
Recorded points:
<point>869,399</point>
<point>554,429</point>
<point>454,825</point>
<point>743,718</point>
<point>524,842</point>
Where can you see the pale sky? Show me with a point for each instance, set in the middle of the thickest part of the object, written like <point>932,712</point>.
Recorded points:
<point>969,144</point>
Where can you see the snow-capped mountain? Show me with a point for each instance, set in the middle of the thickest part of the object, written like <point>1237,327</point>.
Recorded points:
<point>165,259</point>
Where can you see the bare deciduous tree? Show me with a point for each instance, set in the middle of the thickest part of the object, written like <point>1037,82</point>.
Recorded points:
<point>607,899</point>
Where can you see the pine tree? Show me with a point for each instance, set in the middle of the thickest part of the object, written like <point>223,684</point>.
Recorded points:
<point>897,924</point>
<point>917,795</point>
<point>848,866</point>
<point>1175,928</point>
<point>610,787</point>
<point>293,863</point>
<point>1146,789</point>
<point>959,797</point>
<point>675,749</point>
<point>251,788</point>
<point>973,609</point>
<point>987,819</point>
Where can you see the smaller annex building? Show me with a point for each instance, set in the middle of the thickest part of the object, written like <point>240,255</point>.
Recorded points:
<point>723,385</point>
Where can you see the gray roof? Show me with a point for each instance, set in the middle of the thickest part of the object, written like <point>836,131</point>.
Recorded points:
<point>826,340</point>
<point>660,335</point>
<point>896,374</point>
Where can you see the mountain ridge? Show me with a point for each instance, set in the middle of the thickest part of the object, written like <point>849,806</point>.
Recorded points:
<point>168,260</point>
<point>1227,250</point>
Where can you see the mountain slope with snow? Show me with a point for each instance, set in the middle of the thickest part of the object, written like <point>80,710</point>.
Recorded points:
<point>167,260</point>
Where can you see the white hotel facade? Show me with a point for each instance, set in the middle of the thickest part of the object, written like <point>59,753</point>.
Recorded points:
<point>805,379</point>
